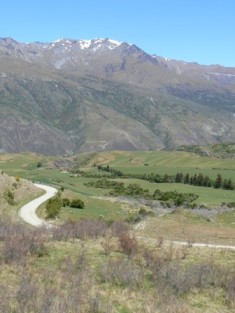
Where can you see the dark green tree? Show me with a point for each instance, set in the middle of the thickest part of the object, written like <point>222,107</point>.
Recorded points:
<point>207,181</point>
<point>186,178</point>
<point>219,181</point>
<point>200,179</point>
<point>179,178</point>
<point>228,184</point>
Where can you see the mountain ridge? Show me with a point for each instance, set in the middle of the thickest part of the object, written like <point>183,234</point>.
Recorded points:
<point>101,94</point>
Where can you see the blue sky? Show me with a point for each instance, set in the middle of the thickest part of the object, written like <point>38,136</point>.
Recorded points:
<point>190,30</point>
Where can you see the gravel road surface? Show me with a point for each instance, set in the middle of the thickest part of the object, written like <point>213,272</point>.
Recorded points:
<point>28,211</point>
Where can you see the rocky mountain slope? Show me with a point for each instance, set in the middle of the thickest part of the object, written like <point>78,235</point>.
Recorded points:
<point>85,95</point>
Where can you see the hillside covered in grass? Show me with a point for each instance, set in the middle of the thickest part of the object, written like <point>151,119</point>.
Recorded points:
<point>223,150</point>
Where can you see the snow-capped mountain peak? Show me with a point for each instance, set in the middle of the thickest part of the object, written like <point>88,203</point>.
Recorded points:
<point>88,44</point>
<point>96,44</point>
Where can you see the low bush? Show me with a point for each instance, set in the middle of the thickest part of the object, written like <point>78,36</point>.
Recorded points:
<point>128,244</point>
<point>82,229</point>
<point>21,242</point>
<point>121,272</point>
<point>53,207</point>
<point>65,202</point>
<point>9,197</point>
<point>77,203</point>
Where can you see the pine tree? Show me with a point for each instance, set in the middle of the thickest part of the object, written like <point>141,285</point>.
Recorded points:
<point>179,178</point>
<point>218,182</point>
<point>206,181</point>
<point>200,179</point>
<point>228,184</point>
<point>186,178</point>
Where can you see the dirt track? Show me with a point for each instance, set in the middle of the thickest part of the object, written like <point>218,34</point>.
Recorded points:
<point>28,211</point>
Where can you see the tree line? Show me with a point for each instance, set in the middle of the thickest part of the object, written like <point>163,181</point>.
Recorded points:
<point>204,180</point>
<point>195,179</point>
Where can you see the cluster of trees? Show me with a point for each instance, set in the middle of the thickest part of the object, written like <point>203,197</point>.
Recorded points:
<point>177,197</point>
<point>105,184</point>
<point>133,190</point>
<point>195,179</point>
<point>112,171</point>
<point>136,191</point>
<point>54,205</point>
<point>154,178</point>
<point>204,180</point>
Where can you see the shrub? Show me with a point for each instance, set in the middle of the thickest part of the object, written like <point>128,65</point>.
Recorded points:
<point>128,244</point>
<point>77,203</point>
<point>121,272</point>
<point>107,244</point>
<point>142,211</point>
<point>82,229</point>
<point>231,204</point>
<point>193,205</point>
<point>53,207</point>
<point>65,202</point>
<point>21,242</point>
<point>9,197</point>
<point>118,228</point>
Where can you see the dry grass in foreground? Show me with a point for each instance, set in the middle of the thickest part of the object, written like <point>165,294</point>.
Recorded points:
<point>87,266</point>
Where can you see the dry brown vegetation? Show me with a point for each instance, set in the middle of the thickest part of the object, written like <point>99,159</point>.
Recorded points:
<point>88,266</point>
<point>15,190</point>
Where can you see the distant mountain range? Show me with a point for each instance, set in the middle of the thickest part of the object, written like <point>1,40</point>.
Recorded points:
<point>101,94</point>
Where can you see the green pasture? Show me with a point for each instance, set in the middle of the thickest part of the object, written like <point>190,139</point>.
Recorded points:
<point>95,208</point>
<point>162,162</point>
<point>166,162</point>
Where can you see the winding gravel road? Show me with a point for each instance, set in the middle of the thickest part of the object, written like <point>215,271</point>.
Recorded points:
<point>28,211</point>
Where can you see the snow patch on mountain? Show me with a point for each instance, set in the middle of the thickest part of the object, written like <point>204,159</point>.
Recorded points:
<point>99,43</point>
<point>114,44</point>
<point>85,44</point>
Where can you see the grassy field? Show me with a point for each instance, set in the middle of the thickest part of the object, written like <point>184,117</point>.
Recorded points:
<point>97,205</point>
<point>166,162</point>
<point>183,224</point>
